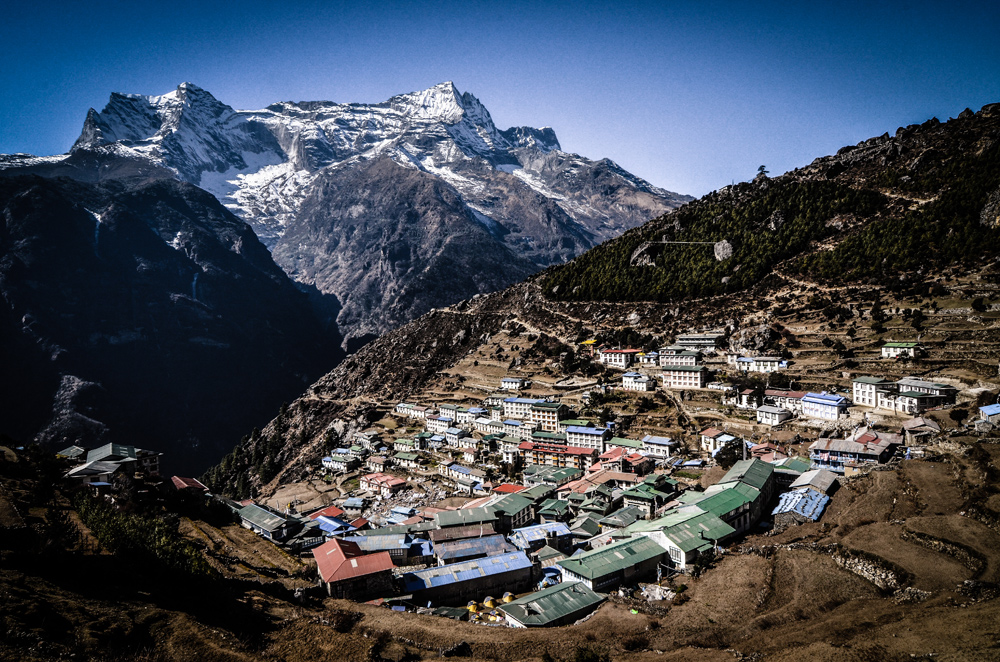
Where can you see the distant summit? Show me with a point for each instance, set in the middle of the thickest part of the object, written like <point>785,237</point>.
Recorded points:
<point>480,207</point>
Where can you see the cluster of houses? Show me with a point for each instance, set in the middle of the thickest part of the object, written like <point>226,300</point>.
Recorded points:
<point>906,396</point>
<point>590,512</point>
<point>566,536</point>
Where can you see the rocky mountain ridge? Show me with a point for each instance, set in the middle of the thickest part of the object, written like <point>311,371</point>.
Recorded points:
<point>511,194</point>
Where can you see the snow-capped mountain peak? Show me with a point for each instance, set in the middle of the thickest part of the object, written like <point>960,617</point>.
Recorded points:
<point>262,164</point>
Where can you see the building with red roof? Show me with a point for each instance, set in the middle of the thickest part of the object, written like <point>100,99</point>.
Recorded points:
<point>384,484</point>
<point>349,573</point>
<point>329,511</point>
<point>508,488</point>
<point>180,483</point>
<point>556,455</point>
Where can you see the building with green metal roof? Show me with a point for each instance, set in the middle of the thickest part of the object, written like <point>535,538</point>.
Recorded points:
<point>788,469</point>
<point>553,510</point>
<point>512,511</point>
<point>536,474</point>
<point>621,442</point>
<point>691,534</point>
<point>607,567</point>
<point>757,474</point>
<point>753,472</point>
<point>464,517</point>
<point>561,604</point>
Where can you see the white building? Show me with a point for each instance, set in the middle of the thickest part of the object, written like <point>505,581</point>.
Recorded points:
<point>619,358</point>
<point>685,376</point>
<point>488,426</point>
<point>519,429</point>
<point>866,390</point>
<point>825,406</point>
<point>893,350</point>
<point>656,446</point>
<point>701,340</point>
<point>633,381</point>
<point>768,415</point>
<point>682,357</point>
<point>438,424</point>
<point>519,408</point>
<point>582,437</point>
<point>513,383</point>
<point>759,363</point>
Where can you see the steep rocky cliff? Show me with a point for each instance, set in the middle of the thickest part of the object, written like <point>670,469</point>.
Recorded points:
<point>146,314</point>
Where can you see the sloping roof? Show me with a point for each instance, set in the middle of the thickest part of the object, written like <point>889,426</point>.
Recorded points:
<point>626,443</point>
<point>698,532</point>
<point>93,468</point>
<point>113,451</point>
<point>511,504</point>
<point>753,472</point>
<point>921,422</point>
<point>722,502</point>
<point>578,429</point>
<point>465,517</point>
<point>485,546</point>
<point>547,553</point>
<point>508,488</point>
<point>825,399</point>
<point>622,517</point>
<point>990,410</point>
<point>792,464</point>
<point>338,560</point>
<point>524,536</point>
<point>262,518</point>
<point>863,441</point>
<point>586,524</point>
<point>554,506</point>
<point>182,483</point>
<point>460,532</point>
<point>552,604</point>
<point>464,571</point>
<point>612,558</point>
<point>877,381</point>
<point>768,409</point>
<point>72,452</point>
<point>806,502</point>
<point>819,479</point>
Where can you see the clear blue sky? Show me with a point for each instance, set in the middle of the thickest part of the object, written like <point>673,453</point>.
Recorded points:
<point>689,95</point>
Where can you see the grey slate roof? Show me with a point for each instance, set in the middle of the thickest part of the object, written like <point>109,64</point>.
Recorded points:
<point>262,517</point>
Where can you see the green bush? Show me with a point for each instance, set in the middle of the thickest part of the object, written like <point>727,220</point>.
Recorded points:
<point>147,540</point>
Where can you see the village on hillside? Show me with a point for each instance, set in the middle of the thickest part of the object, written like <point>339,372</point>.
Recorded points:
<point>532,505</point>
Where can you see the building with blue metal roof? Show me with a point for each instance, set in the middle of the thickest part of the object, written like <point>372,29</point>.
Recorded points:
<point>825,406</point>
<point>802,505</point>
<point>990,413</point>
<point>532,538</point>
<point>468,549</point>
<point>457,583</point>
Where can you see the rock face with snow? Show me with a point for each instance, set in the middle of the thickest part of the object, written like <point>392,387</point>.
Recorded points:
<point>512,199</point>
<point>145,314</point>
